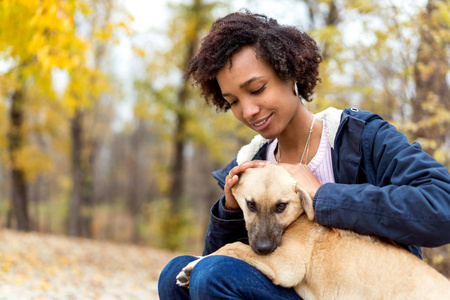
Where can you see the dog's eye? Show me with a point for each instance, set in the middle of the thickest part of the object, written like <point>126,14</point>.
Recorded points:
<point>251,205</point>
<point>281,207</point>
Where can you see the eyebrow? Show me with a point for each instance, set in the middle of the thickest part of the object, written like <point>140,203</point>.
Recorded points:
<point>250,81</point>
<point>243,85</point>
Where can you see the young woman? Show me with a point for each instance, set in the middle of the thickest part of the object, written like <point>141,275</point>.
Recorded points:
<point>361,173</point>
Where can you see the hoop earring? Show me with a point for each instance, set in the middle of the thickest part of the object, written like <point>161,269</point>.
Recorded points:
<point>295,89</point>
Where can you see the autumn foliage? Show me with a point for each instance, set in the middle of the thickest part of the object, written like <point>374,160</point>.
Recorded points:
<point>70,163</point>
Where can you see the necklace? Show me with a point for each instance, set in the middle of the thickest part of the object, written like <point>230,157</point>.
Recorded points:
<point>306,144</point>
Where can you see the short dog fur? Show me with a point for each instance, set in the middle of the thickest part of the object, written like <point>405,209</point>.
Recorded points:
<point>319,262</point>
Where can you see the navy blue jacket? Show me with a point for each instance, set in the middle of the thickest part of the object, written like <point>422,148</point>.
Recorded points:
<point>384,187</point>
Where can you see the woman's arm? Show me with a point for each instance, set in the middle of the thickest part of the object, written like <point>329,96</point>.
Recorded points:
<point>406,198</point>
<point>225,226</point>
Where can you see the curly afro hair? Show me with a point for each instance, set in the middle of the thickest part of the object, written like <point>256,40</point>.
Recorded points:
<point>293,54</point>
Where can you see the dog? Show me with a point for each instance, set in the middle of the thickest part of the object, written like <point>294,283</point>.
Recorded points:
<point>319,262</point>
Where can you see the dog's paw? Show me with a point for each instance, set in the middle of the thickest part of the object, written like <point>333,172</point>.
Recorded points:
<point>185,274</point>
<point>183,277</point>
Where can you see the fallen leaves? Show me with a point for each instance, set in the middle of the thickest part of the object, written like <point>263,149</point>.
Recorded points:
<point>39,266</point>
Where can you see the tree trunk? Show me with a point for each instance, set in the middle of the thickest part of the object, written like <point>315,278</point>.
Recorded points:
<point>136,185</point>
<point>176,190</point>
<point>16,139</point>
<point>77,174</point>
<point>87,192</point>
<point>177,187</point>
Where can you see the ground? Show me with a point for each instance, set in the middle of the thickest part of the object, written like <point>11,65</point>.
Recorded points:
<point>41,266</point>
<point>38,266</point>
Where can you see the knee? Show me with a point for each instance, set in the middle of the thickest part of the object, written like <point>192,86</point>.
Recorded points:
<point>169,273</point>
<point>167,286</point>
<point>211,266</point>
<point>213,274</point>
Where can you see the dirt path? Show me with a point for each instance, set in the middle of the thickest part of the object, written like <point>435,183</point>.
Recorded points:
<point>38,266</point>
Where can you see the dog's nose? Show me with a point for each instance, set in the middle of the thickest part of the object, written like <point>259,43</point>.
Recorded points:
<point>264,247</point>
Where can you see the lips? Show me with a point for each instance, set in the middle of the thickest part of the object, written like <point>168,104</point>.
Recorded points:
<point>261,123</point>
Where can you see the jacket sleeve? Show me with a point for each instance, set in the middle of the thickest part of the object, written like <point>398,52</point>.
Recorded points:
<point>225,226</point>
<point>406,196</point>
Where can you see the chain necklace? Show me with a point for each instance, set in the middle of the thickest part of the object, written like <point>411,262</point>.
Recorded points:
<point>306,144</point>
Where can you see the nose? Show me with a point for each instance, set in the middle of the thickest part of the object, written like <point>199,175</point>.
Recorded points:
<point>264,247</point>
<point>249,109</point>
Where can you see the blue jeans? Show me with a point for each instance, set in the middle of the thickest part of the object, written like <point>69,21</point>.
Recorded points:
<point>219,277</point>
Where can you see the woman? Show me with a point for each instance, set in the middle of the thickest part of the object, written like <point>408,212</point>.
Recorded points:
<point>361,173</point>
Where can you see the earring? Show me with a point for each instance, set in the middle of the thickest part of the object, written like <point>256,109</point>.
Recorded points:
<point>295,89</point>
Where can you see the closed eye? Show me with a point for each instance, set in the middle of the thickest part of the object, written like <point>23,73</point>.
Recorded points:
<point>229,104</point>
<point>259,90</point>
<point>233,102</point>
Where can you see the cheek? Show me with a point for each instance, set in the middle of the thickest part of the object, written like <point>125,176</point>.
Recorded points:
<point>237,113</point>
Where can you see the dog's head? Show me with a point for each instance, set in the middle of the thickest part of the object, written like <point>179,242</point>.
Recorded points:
<point>271,201</point>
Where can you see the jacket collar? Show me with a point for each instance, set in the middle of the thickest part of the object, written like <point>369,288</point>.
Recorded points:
<point>344,130</point>
<point>332,117</point>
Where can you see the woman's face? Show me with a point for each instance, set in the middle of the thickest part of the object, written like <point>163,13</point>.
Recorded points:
<point>258,97</point>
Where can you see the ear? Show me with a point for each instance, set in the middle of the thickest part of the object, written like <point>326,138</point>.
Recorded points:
<point>235,187</point>
<point>306,202</point>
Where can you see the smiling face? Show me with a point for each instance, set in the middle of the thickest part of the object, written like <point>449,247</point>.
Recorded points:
<point>258,97</point>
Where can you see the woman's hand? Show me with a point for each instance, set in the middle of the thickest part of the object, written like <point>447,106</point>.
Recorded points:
<point>233,177</point>
<point>304,176</point>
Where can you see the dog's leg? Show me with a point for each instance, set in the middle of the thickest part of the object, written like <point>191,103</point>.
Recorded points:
<point>278,266</point>
<point>245,252</point>
<point>237,250</point>
<point>185,274</point>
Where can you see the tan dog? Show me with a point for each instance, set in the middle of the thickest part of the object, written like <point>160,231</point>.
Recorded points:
<point>319,262</point>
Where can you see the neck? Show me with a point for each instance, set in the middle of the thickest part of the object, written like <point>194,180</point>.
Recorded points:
<point>293,143</point>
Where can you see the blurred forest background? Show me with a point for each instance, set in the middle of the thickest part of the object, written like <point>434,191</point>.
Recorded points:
<point>101,137</point>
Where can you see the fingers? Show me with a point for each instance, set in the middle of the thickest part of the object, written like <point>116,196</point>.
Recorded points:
<point>246,165</point>
<point>304,176</point>
<point>233,177</point>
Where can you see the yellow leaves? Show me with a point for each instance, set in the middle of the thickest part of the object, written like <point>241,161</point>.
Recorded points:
<point>65,183</point>
<point>326,33</point>
<point>64,261</point>
<point>83,7</point>
<point>139,51</point>
<point>6,263</point>
<point>381,36</point>
<point>442,13</point>
<point>442,155</point>
<point>33,160</point>
<point>91,269</point>
<point>141,110</point>
<point>42,29</point>
<point>84,88</point>
<point>439,22</point>
<point>362,6</point>
<point>44,285</point>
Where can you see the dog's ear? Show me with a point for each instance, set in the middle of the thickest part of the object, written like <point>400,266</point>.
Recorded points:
<point>236,186</point>
<point>306,202</point>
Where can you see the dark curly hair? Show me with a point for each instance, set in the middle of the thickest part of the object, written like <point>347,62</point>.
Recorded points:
<point>293,54</point>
